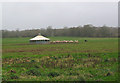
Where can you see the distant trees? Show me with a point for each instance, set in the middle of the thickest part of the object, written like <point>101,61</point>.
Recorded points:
<point>85,31</point>
<point>49,31</point>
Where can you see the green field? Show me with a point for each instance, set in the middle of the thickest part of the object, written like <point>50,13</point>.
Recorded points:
<point>95,60</point>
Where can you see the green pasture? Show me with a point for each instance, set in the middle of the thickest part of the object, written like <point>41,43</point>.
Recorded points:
<point>95,60</point>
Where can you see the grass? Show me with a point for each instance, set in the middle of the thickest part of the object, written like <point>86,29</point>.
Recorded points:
<point>95,60</point>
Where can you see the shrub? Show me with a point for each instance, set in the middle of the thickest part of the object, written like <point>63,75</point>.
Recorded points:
<point>32,61</point>
<point>33,72</point>
<point>53,74</point>
<point>53,57</point>
<point>14,76</point>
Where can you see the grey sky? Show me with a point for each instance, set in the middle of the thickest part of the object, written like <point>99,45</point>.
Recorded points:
<point>58,14</point>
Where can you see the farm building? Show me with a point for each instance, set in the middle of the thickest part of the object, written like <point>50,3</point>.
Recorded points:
<point>40,40</point>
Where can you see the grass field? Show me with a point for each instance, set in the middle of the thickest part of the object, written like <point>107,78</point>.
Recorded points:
<point>95,60</point>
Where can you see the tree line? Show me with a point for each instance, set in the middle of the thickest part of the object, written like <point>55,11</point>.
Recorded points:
<point>79,31</point>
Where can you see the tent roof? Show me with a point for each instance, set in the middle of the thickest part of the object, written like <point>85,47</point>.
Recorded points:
<point>39,37</point>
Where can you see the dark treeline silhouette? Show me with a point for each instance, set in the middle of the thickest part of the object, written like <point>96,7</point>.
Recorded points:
<point>80,31</point>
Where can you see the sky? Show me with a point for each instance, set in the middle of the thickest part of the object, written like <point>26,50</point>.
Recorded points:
<point>36,15</point>
<point>59,0</point>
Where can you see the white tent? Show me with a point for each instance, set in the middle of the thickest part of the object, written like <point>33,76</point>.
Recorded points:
<point>39,39</point>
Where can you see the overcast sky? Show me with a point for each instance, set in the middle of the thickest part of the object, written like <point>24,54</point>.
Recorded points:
<point>33,15</point>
